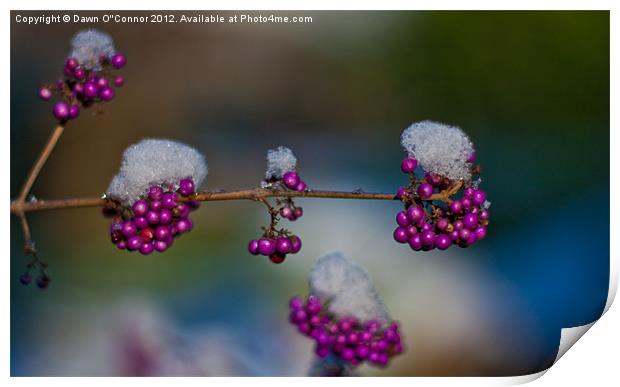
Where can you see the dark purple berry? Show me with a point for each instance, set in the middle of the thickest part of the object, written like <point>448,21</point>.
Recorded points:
<point>61,110</point>
<point>106,94</point>
<point>408,165</point>
<point>186,187</point>
<point>425,190</point>
<point>277,258</point>
<point>284,245</point>
<point>118,60</point>
<point>119,81</point>
<point>74,111</point>
<point>291,180</point>
<point>25,279</point>
<point>266,246</point>
<point>253,247</point>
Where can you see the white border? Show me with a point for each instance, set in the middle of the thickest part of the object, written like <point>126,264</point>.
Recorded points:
<point>596,358</point>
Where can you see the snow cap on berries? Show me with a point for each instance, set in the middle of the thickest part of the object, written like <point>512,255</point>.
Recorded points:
<point>280,161</point>
<point>439,148</point>
<point>156,161</point>
<point>89,46</point>
<point>347,287</point>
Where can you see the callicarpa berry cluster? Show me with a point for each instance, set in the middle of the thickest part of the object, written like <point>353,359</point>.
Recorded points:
<point>87,75</point>
<point>440,165</point>
<point>345,316</point>
<point>149,200</point>
<point>281,174</point>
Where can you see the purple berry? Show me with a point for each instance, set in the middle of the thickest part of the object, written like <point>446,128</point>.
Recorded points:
<point>471,158</point>
<point>472,239</point>
<point>456,207</point>
<point>43,281</point>
<point>119,81</point>
<point>415,214</point>
<point>45,93</point>
<point>479,197</point>
<point>408,165</point>
<point>25,279</point>
<point>266,246</point>
<point>466,202</point>
<point>155,192</point>
<point>425,190</point>
<point>169,200</point>
<point>71,63</point>
<point>134,243</point>
<point>284,245</point>
<point>102,83</point>
<point>184,225</point>
<point>481,232</point>
<point>90,90</point>
<point>470,220</point>
<point>141,222</point>
<point>454,235</point>
<point>152,217</point>
<point>106,94</point>
<point>402,219</point>
<point>156,205</point>
<point>61,110</point>
<point>484,215</point>
<point>296,244</point>
<point>140,207</point>
<point>129,229</point>
<point>415,242</point>
<point>121,245</point>
<point>161,246</point>
<point>74,111</point>
<point>186,187</point>
<point>411,230</point>
<point>458,225</point>
<point>400,235</point>
<point>464,234</point>
<point>165,216</point>
<point>296,303</point>
<point>79,73</point>
<point>298,212</point>
<point>433,179</point>
<point>291,179</point>
<point>301,186</point>
<point>286,212</point>
<point>147,248</point>
<point>442,241</point>
<point>162,233</point>
<point>469,193</point>
<point>118,60</point>
<point>428,239</point>
<point>253,247</point>
<point>442,224</point>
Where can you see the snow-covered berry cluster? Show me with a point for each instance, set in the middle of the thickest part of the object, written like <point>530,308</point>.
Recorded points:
<point>276,242</point>
<point>281,173</point>
<point>347,338</point>
<point>344,315</point>
<point>440,165</point>
<point>150,199</point>
<point>87,75</point>
<point>156,219</point>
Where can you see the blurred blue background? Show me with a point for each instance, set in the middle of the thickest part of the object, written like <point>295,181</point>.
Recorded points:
<point>530,88</point>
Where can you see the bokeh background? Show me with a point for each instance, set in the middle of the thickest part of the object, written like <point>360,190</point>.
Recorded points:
<point>530,88</point>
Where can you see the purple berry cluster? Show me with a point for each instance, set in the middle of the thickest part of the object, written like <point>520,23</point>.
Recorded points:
<point>347,338</point>
<point>291,212</point>
<point>433,218</point>
<point>153,221</point>
<point>275,248</point>
<point>82,88</point>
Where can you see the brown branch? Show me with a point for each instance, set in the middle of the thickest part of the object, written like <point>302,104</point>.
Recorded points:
<point>256,194</point>
<point>19,205</point>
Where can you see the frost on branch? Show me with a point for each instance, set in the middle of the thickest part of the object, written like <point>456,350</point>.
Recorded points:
<point>89,46</point>
<point>347,287</point>
<point>439,148</point>
<point>280,161</point>
<point>156,161</point>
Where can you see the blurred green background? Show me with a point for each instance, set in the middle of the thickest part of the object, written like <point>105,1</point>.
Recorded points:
<point>530,88</point>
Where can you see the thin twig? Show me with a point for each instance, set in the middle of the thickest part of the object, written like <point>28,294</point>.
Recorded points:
<point>18,206</point>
